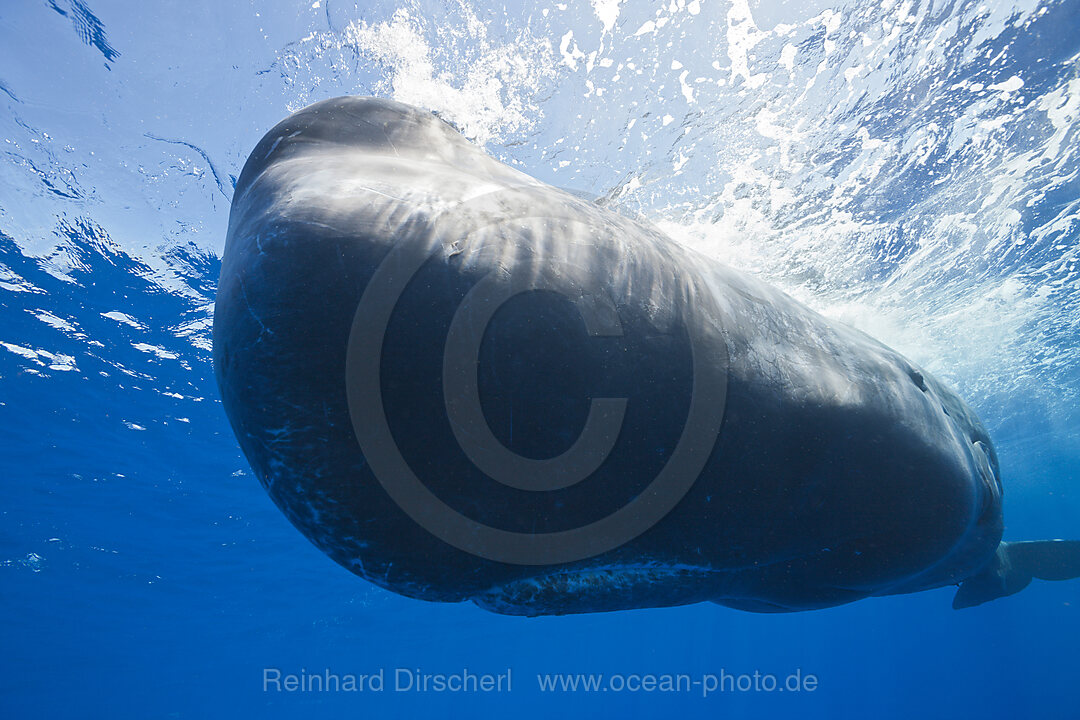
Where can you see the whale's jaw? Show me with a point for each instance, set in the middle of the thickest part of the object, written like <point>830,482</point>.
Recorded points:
<point>603,589</point>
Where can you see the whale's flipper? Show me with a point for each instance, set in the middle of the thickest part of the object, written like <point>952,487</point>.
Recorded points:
<point>1014,566</point>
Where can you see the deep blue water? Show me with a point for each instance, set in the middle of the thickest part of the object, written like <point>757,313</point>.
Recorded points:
<point>909,168</point>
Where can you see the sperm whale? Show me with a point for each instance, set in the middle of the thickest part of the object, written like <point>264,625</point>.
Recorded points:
<point>463,384</point>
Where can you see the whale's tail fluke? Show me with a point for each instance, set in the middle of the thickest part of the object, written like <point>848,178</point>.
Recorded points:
<point>1015,565</point>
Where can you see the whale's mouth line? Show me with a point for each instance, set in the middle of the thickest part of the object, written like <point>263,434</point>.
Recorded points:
<point>624,586</point>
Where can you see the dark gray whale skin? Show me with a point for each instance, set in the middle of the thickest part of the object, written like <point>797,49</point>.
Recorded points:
<point>840,470</point>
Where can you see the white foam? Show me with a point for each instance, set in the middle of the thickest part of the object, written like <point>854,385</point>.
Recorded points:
<point>607,12</point>
<point>486,92</point>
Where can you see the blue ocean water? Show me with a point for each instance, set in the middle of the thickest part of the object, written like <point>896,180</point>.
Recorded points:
<point>910,168</point>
